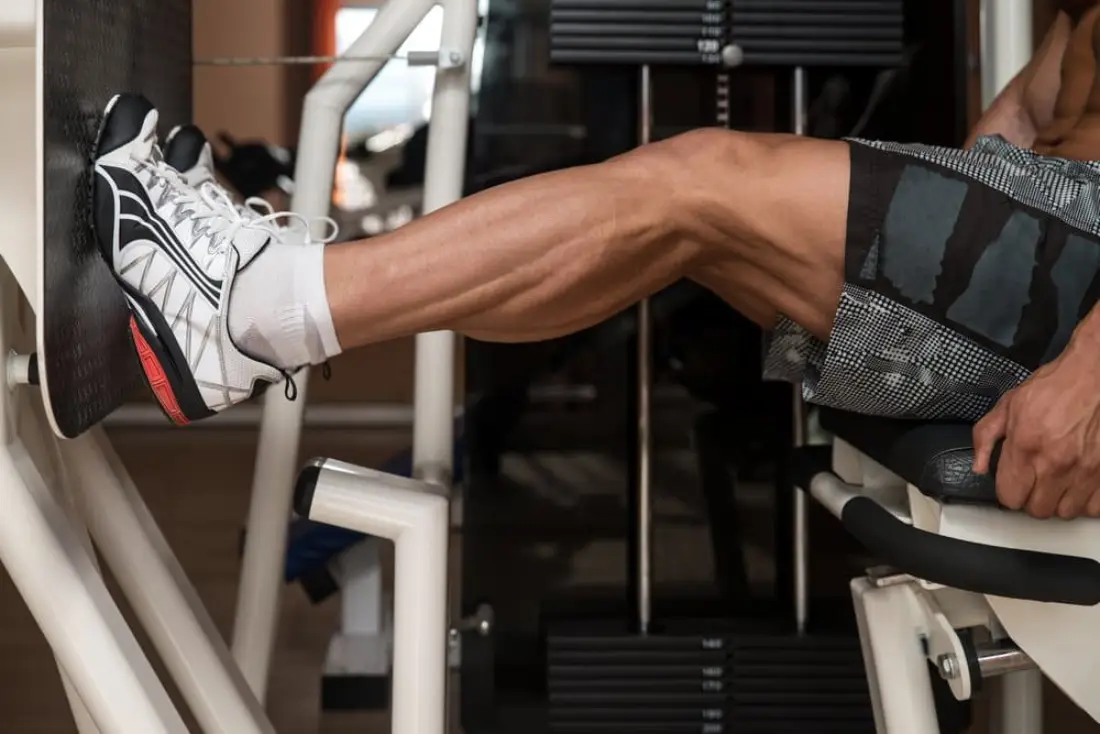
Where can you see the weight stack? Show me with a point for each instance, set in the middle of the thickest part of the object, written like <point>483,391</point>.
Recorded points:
<point>685,680</point>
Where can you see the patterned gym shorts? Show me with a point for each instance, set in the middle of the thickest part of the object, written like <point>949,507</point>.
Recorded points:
<point>965,270</point>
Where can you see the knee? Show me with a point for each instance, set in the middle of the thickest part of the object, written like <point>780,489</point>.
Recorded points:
<point>714,149</point>
<point>706,162</point>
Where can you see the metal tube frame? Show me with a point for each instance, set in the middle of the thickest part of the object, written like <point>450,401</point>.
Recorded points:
<point>276,458</point>
<point>799,111</point>
<point>644,435</point>
<point>415,516</point>
<point>102,663</point>
<point>1007,43</point>
<point>1021,702</point>
<point>897,671</point>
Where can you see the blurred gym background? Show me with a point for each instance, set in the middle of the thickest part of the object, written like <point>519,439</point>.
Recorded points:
<point>546,453</point>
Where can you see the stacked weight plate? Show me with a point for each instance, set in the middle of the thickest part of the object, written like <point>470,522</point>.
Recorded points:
<point>638,32</point>
<point>683,682</point>
<point>791,33</point>
<point>814,33</point>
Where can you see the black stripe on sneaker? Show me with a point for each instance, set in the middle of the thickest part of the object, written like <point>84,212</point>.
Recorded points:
<point>135,206</point>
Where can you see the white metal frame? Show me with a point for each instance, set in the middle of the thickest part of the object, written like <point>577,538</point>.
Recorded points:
<point>433,408</point>
<point>415,516</point>
<point>60,496</point>
<point>905,623</point>
<point>1007,43</point>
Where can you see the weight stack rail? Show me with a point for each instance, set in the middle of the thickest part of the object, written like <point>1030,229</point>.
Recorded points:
<point>714,676</point>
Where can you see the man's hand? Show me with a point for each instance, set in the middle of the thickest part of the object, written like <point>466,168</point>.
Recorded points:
<point>1050,461</point>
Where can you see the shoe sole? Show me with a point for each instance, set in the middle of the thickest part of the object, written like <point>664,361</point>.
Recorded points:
<point>156,347</point>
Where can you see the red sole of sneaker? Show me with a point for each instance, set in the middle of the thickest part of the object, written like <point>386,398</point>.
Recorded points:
<point>156,377</point>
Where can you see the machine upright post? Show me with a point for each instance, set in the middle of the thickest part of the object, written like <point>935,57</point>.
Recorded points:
<point>444,181</point>
<point>1007,43</point>
<point>280,430</point>
<point>645,388</point>
<point>801,530</point>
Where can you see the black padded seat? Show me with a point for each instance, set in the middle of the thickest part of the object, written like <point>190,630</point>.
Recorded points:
<point>934,456</point>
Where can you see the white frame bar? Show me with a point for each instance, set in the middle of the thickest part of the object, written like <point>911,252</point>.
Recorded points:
<point>1007,43</point>
<point>897,671</point>
<point>1021,703</point>
<point>415,516</point>
<point>276,458</point>
<point>162,597</point>
<point>57,579</point>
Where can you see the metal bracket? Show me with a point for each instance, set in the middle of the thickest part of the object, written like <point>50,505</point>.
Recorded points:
<point>480,622</point>
<point>444,58</point>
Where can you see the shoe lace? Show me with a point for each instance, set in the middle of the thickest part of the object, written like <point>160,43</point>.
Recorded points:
<point>214,211</point>
<point>290,387</point>
<point>257,205</point>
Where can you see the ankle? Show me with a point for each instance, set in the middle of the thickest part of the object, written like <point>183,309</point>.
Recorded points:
<point>278,311</point>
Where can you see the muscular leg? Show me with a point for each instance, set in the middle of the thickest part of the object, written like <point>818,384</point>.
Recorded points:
<point>224,300</point>
<point>759,219</point>
<point>957,272</point>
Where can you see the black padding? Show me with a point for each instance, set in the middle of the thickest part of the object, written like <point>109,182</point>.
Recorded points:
<point>959,564</point>
<point>305,487</point>
<point>936,457</point>
<point>806,462</point>
<point>92,50</point>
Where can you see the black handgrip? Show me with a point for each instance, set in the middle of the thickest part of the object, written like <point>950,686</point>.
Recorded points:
<point>960,564</point>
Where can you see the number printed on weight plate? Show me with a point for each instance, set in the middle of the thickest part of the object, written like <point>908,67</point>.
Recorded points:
<point>708,45</point>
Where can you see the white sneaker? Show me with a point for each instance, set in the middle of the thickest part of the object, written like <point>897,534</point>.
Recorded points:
<point>188,151</point>
<point>176,251</point>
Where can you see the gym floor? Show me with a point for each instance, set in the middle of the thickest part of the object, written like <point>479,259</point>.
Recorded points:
<point>197,484</point>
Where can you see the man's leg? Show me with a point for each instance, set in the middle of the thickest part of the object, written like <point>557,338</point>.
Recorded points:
<point>758,219</point>
<point>220,303</point>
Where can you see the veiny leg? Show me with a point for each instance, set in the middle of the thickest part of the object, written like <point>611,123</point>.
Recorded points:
<point>759,219</point>
<point>224,302</point>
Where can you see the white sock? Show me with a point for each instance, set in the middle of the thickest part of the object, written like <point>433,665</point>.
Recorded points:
<point>278,308</point>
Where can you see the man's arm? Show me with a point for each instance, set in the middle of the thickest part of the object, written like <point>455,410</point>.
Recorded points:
<point>1027,104</point>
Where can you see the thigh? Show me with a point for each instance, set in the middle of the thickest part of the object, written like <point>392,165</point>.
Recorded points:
<point>777,215</point>
<point>964,270</point>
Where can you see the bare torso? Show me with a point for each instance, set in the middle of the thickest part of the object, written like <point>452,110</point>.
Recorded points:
<point>1075,130</point>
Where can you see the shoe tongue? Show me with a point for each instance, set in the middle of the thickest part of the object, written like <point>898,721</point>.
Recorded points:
<point>250,241</point>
